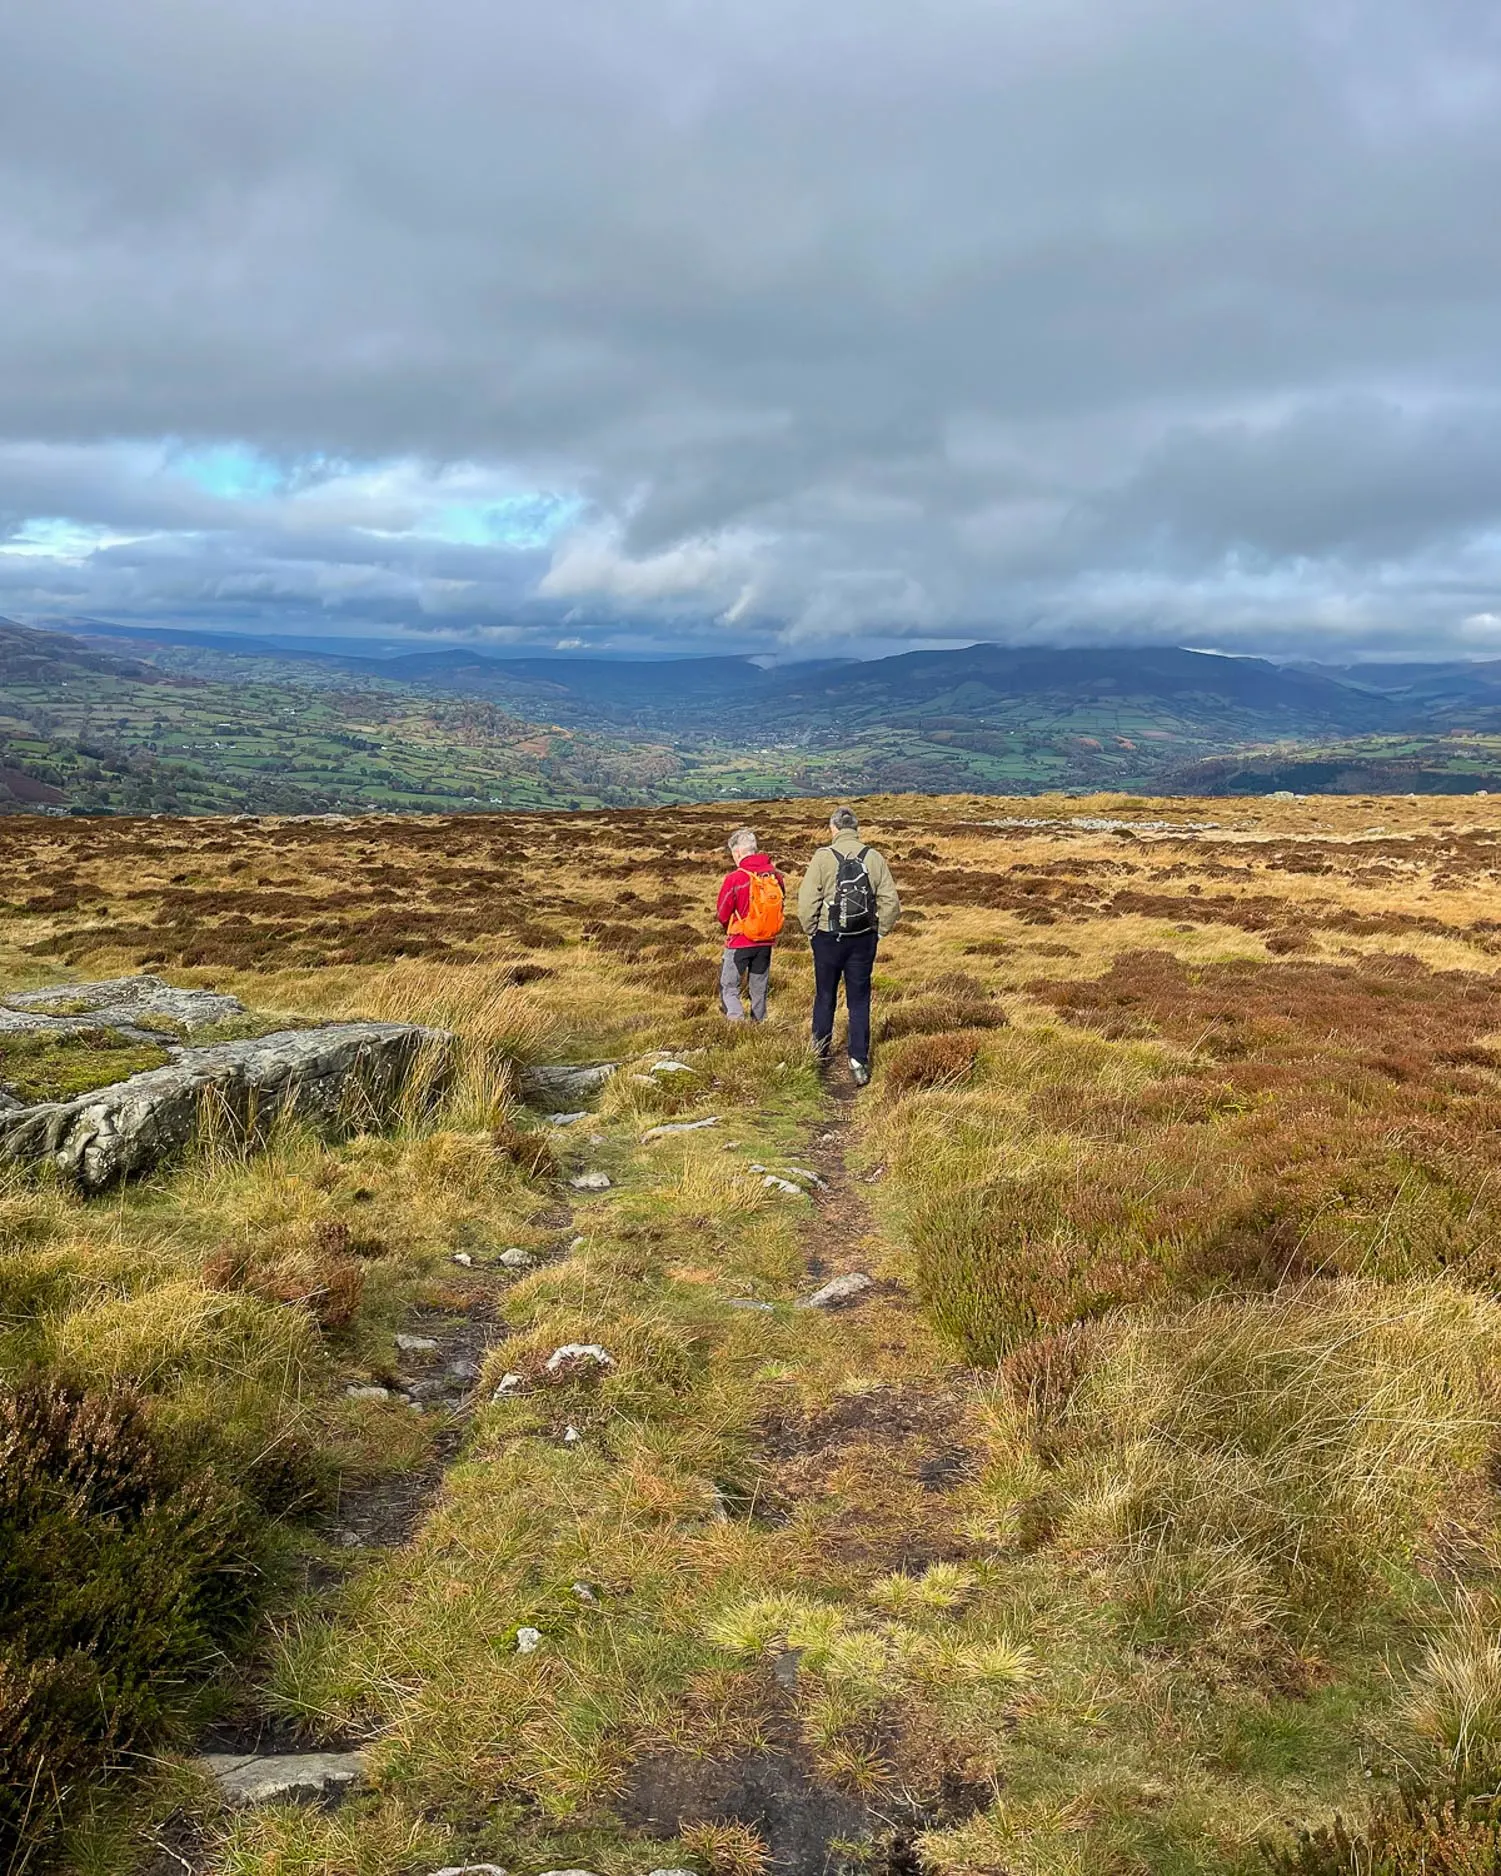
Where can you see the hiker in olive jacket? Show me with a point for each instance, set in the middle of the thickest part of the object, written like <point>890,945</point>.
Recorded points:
<point>847,903</point>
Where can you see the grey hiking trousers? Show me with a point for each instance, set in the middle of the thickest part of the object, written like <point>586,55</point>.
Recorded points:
<point>755,961</point>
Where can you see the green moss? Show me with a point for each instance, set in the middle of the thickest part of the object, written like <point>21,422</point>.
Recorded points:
<point>52,1067</point>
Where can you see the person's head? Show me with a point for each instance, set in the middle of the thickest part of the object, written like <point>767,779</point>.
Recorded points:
<point>844,821</point>
<point>742,843</point>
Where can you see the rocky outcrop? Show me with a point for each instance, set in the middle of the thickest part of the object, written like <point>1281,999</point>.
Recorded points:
<point>124,1003</point>
<point>337,1078</point>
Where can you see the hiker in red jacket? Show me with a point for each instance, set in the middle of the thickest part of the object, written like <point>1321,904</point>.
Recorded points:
<point>751,895</point>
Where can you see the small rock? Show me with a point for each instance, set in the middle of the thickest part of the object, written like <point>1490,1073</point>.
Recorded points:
<point>591,1182</point>
<point>517,1259</point>
<point>282,1777</point>
<point>471,1869</point>
<point>568,1872</point>
<point>566,1120</point>
<point>372,1392</point>
<point>416,1345</point>
<point>507,1385</point>
<point>840,1290</point>
<point>679,1126</point>
<point>672,1872</point>
<point>571,1352</point>
<point>783,1185</point>
<point>794,1172</point>
<point>746,1302</point>
<point>528,1640</point>
<point>563,1081</point>
<point>586,1593</point>
<point>463,1370</point>
<point>671,1068</point>
<point>463,1257</point>
<point>571,1436</point>
<point>576,1246</point>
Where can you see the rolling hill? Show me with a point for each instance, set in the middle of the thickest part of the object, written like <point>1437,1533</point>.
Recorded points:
<point>106,720</point>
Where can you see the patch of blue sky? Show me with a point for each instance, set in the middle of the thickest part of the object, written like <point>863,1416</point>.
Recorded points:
<point>515,521</point>
<point>233,472</point>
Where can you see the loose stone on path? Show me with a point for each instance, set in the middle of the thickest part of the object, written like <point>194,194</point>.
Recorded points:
<point>840,1290</point>
<point>283,1777</point>
<point>678,1126</point>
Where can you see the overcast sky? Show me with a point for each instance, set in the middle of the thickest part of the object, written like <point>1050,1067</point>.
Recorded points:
<point>791,324</point>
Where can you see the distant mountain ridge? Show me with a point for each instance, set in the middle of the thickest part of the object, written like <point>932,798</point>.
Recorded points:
<point>221,719</point>
<point>701,692</point>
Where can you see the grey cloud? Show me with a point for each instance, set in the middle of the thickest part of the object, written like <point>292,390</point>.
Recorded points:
<point>1064,318</point>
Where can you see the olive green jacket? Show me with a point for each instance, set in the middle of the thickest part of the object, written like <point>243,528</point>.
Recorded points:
<point>817,889</point>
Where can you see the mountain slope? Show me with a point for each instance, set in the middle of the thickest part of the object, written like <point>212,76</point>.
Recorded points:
<point>1187,685</point>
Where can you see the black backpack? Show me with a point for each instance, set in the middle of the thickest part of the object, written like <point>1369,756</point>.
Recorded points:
<point>852,909</point>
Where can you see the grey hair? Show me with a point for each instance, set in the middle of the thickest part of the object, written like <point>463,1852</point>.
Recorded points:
<point>742,834</point>
<point>845,819</point>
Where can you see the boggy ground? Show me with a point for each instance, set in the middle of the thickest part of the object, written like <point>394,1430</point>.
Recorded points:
<point>1142,1512</point>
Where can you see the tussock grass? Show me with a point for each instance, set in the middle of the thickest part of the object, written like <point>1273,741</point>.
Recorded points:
<point>1254,1467</point>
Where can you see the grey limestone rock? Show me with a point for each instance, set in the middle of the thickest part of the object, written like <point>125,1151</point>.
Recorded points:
<point>283,1777</point>
<point>115,1002</point>
<point>562,1085</point>
<point>679,1126</point>
<point>334,1078</point>
<point>840,1290</point>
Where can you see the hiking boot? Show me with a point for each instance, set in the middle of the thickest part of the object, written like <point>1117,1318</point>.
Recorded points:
<point>859,1072</point>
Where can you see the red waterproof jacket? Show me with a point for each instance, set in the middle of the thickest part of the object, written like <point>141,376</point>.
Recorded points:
<point>734,896</point>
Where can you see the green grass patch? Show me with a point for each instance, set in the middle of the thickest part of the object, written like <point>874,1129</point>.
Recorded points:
<point>53,1067</point>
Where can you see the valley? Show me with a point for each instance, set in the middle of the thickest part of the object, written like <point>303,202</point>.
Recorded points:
<point>98,721</point>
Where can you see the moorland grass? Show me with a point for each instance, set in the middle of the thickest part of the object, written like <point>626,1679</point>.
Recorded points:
<point>1148,1515</point>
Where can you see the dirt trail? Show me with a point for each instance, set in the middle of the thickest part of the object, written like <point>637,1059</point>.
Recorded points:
<point>874,1473</point>
<point>844,1217</point>
<point>383,1512</point>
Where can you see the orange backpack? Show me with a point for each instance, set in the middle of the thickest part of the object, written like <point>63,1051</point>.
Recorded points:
<point>763,916</point>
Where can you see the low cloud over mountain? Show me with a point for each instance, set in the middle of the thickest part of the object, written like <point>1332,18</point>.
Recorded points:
<point>731,326</point>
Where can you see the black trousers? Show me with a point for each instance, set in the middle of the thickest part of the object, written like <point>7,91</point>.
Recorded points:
<point>853,960</point>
